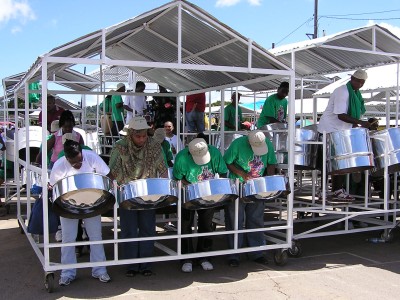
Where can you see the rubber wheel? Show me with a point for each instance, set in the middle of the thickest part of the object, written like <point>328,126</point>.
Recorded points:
<point>280,257</point>
<point>296,250</point>
<point>388,237</point>
<point>49,282</point>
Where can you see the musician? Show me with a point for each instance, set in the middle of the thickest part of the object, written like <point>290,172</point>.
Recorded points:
<point>249,157</point>
<point>78,161</point>
<point>344,111</point>
<point>137,157</point>
<point>196,163</point>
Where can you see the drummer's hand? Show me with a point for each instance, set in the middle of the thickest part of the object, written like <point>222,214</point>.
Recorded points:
<point>246,176</point>
<point>49,186</point>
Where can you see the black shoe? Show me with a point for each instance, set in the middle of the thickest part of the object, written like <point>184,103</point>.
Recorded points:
<point>131,273</point>
<point>146,273</point>
<point>233,263</point>
<point>261,260</point>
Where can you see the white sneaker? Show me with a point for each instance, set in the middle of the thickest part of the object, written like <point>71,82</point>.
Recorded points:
<point>187,267</point>
<point>58,235</point>
<point>103,277</point>
<point>207,266</point>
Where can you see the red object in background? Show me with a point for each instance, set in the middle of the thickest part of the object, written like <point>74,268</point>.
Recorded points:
<point>247,124</point>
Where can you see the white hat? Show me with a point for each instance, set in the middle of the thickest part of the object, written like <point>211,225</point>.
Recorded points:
<point>360,74</point>
<point>257,142</point>
<point>67,136</point>
<point>120,85</point>
<point>124,131</point>
<point>159,135</point>
<point>198,148</point>
<point>138,123</point>
<point>55,125</point>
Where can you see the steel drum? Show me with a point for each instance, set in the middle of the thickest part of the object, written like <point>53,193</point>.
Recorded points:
<point>150,193</point>
<point>305,155</point>
<point>392,135</point>
<point>209,194</point>
<point>265,188</point>
<point>83,196</point>
<point>228,139</point>
<point>349,151</point>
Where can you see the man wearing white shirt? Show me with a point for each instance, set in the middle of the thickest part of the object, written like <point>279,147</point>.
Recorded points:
<point>135,105</point>
<point>77,161</point>
<point>172,139</point>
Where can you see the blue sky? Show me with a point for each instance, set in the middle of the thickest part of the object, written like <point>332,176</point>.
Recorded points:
<point>29,28</point>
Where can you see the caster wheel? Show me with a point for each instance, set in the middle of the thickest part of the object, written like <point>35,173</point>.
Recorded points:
<point>388,237</point>
<point>280,257</point>
<point>296,250</point>
<point>49,282</point>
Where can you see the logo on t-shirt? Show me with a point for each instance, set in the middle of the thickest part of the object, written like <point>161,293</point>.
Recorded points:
<point>256,165</point>
<point>206,174</point>
<point>280,114</point>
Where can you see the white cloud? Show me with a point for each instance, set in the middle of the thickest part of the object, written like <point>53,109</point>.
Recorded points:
<point>16,29</point>
<point>16,10</point>
<point>222,3</point>
<point>393,29</point>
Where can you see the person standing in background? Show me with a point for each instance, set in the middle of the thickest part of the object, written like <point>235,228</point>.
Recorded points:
<point>135,105</point>
<point>275,107</point>
<point>117,110</point>
<point>195,107</point>
<point>53,112</point>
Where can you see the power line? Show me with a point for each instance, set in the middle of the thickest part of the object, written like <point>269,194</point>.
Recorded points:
<point>359,19</point>
<point>368,13</point>
<point>308,20</point>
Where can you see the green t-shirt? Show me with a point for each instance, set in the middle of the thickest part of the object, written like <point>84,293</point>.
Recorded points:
<point>167,152</point>
<point>273,107</point>
<point>230,115</point>
<point>241,155</point>
<point>107,105</point>
<point>61,154</point>
<point>116,112</point>
<point>186,168</point>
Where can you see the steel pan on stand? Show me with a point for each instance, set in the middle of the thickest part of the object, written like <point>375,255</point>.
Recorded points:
<point>150,193</point>
<point>265,188</point>
<point>209,194</point>
<point>349,151</point>
<point>83,196</point>
<point>391,136</point>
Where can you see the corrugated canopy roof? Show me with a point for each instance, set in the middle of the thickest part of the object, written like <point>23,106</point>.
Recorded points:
<point>358,48</point>
<point>150,42</point>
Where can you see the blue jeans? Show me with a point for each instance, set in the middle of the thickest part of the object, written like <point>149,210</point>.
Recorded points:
<point>137,223</point>
<point>195,121</point>
<point>254,213</point>
<point>69,229</point>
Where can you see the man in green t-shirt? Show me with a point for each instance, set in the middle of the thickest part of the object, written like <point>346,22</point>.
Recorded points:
<point>117,109</point>
<point>195,163</point>
<point>249,157</point>
<point>275,107</point>
<point>230,114</point>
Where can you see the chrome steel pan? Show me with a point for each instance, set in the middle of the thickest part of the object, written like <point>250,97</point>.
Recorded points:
<point>265,188</point>
<point>349,151</point>
<point>378,138</point>
<point>209,193</point>
<point>150,193</point>
<point>83,196</point>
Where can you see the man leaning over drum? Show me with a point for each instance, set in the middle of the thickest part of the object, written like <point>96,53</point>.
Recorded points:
<point>249,157</point>
<point>344,111</point>
<point>196,163</point>
<point>77,161</point>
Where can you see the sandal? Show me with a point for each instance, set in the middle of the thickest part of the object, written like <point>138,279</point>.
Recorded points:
<point>146,273</point>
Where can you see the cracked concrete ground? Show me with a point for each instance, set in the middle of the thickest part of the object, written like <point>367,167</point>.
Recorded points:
<point>335,267</point>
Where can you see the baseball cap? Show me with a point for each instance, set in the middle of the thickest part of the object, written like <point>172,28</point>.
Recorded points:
<point>120,85</point>
<point>257,142</point>
<point>360,74</point>
<point>138,123</point>
<point>55,125</point>
<point>198,148</point>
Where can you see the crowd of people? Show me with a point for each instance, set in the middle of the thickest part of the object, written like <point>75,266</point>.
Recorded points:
<point>149,146</point>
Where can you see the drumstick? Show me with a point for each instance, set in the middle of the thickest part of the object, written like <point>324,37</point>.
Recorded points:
<point>376,121</point>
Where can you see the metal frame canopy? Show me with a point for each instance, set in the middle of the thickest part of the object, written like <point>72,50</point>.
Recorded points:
<point>177,45</point>
<point>358,48</point>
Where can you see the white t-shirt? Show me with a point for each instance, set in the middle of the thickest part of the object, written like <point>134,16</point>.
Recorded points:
<point>137,103</point>
<point>92,163</point>
<point>338,104</point>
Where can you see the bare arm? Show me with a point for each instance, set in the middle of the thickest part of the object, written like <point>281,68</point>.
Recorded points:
<point>126,107</point>
<point>348,119</point>
<point>239,172</point>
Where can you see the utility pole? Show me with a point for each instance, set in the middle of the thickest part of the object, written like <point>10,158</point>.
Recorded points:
<point>315,19</point>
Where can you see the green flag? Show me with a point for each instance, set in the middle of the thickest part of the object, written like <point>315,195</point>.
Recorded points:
<point>34,97</point>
